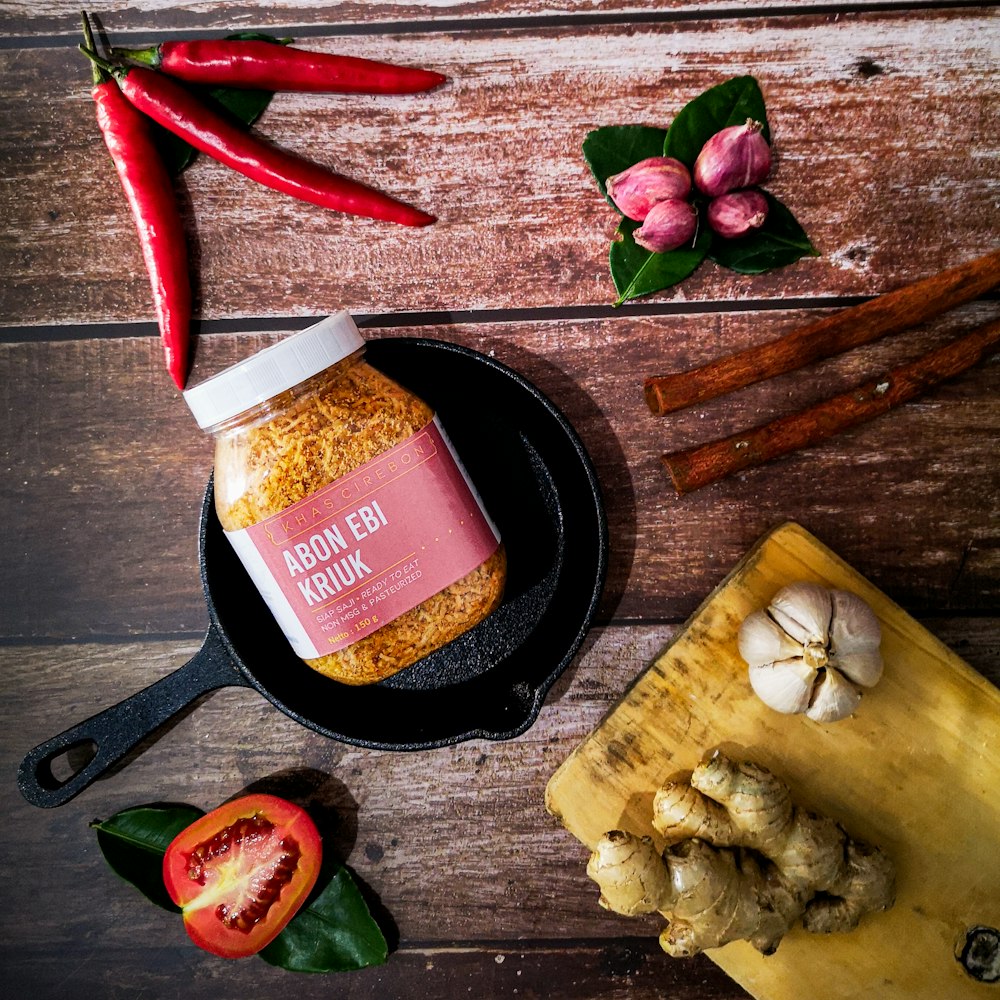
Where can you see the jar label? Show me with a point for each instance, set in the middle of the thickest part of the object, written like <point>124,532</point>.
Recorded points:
<point>349,558</point>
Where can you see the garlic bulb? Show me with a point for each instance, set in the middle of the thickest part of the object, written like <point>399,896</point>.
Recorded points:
<point>811,651</point>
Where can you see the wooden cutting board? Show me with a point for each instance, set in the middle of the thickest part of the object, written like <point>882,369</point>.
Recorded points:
<point>916,770</point>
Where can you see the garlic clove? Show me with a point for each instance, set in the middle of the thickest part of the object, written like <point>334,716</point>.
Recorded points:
<point>786,685</point>
<point>762,640</point>
<point>854,627</point>
<point>803,610</point>
<point>864,667</point>
<point>835,698</point>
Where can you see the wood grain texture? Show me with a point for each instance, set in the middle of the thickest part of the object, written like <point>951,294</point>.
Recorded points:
<point>464,827</point>
<point>497,155</point>
<point>25,18</point>
<point>611,969</point>
<point>99,440</point>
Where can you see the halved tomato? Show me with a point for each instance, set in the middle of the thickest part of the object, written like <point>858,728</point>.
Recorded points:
<point>241,872</point>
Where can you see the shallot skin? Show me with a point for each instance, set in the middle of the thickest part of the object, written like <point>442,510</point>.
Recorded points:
<point>737,213</point>
<point>669,225</point>
<point>736,157</point>
<point>657,178</point>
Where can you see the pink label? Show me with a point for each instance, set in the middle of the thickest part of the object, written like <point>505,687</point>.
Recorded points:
<point>365,549</point>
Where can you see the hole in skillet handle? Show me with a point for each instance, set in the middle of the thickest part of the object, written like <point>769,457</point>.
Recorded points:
<point>60,768</point>
<point>90,748</point>
<point>539,486</point>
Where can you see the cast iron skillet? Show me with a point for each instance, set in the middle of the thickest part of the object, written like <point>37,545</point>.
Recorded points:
<point>539,486</point>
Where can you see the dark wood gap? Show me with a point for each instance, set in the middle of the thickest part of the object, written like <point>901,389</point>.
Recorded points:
<point>432,318</point>
<point>928,617</point>
<point>639,941</point>
<point>516,23</point>
<point>58,333</point>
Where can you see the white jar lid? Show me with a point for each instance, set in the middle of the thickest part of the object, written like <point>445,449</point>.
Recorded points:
<point>274,369</point>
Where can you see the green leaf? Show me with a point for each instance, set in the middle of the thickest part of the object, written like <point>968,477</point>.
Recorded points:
<point>335,933</point>
<point>779,242</point>
<point>134,841</point>
<point>246,106</point>
<point>614,148</point>
<point>729,103</point>
<point>638,272</point>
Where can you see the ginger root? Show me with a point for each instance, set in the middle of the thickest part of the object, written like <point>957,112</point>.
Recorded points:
<point>742,862</point>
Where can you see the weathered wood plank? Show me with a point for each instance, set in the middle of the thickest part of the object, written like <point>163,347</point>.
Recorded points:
<point>611,969</point>
<point>98,444</point>
<point>496,154</point>
<point>464,860</point>
<point>157,18</point>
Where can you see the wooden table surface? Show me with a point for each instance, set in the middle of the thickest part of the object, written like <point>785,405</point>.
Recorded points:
<point>886,119</point>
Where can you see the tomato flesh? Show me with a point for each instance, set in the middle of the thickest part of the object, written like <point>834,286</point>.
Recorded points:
<point>242,871</point>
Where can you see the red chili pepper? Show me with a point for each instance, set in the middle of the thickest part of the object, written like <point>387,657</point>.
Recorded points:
<point>179,111</point>
<point>150,196</point>
<point>266,66</point>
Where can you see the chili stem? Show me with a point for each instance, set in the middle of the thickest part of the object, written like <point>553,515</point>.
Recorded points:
<point>97,75</point>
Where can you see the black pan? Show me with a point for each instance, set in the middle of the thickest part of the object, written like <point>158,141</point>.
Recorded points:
<point>539,486</point>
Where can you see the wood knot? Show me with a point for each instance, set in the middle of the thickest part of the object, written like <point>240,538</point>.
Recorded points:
<point>867,68</point>
<point>980,954</point>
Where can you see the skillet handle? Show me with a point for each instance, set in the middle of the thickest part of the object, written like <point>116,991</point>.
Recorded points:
<point>118,729</point>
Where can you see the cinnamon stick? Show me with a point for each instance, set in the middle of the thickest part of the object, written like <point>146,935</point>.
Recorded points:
<point>707,463</point>
<point>860,324</point>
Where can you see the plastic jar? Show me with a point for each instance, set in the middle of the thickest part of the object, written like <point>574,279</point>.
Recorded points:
<point>347,505</point>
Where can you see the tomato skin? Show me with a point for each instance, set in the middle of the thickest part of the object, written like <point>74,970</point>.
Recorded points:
<point>218,863</point>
